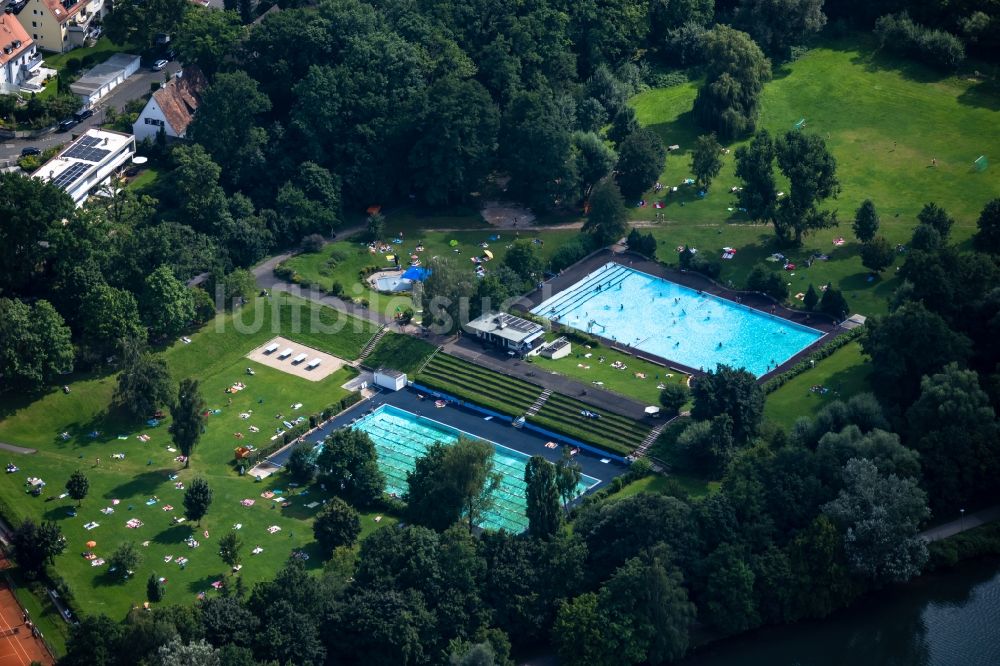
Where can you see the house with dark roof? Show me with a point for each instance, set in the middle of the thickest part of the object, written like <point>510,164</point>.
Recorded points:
<point>17,54</point>
<point>172,107</point>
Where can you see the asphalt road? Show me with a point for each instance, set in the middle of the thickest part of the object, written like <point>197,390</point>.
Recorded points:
<point>134,87</point>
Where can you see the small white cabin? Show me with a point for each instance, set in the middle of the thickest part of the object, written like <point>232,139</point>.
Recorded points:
<point>298,359</point>
<point>285,353</point>
<point>393,380</point>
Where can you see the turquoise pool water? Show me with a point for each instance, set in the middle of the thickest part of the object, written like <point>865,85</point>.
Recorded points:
<point>674,322</point>
<point>401,437</point>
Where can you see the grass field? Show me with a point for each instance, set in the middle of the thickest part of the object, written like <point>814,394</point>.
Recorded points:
<point>625,382</point>
<point>655,483</point>
<point>343,260</point>
<point>400,352</point>
<point>844,373</point>
<point>883,119</point>
<point>216,357</point>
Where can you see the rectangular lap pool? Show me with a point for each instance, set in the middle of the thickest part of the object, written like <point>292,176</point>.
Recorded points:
<point>674,322</point>
<point>401,437</point>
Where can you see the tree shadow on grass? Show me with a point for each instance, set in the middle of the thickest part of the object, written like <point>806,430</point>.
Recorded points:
<point>878,60</point>
<point>58,513</point>
<point>857,282</point>
<point>106,578</point>
<point>174,534</point>
<point>143,484</point>
<point>984,94</point>
<point>681,131</point>
<point>204,584</point>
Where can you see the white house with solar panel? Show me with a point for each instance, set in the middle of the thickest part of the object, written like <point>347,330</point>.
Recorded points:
<point>88,162</point>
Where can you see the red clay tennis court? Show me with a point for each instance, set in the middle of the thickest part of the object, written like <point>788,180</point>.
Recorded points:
<point>17,646</point>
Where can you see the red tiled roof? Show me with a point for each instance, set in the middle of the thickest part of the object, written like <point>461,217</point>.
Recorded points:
<point>180,97</point>
<point>60,12</point>
<point>12,31</point>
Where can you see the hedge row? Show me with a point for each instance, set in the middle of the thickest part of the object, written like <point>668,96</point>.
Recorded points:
<point>776,382</point>
<point>294,433</point>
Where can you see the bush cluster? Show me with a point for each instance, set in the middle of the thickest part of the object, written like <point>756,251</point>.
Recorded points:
<point>936,48</point>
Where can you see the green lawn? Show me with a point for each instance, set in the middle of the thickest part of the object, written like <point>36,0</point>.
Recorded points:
<point>844,373</point>
<point>216,357</point>
<point>627,382</point>
<point>656,483</point>
<point>400,352</point>
<point>342,261</point>
<point>882,118</point>
<point>146,179</point>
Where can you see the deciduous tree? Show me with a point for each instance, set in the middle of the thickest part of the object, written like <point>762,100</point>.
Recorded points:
<point>229,548</point>
<point>706,160</point>
<point>755,167</point>
<point>197,499</point>
<point>336,525</point>
<point>542,495</point>
<point>866,221</point>
<point>188,418</point>
<point>125,559</point>
<point>987,238</point>
<point>877,254</point>
<point>641,158</point>
<point>879,516</point>
<point>36,545</point>
<point>167,305</point>
<point>729,100</point>
<point>608,217</point>
<point>727,390</point>
<point>35,344</point>
<point>349,463</point>
<point>77,486</point>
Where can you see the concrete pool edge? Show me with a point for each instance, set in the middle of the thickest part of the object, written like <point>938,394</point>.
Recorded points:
<point>757,301</point>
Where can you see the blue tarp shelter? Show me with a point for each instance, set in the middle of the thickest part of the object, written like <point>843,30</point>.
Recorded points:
<point>416,273</point>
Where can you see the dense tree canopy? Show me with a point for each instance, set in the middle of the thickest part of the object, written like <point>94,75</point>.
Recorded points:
<point>729,101</point>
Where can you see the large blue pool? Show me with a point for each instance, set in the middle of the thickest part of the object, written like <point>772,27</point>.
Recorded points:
<point>401,437</point>
<point>674,322</point>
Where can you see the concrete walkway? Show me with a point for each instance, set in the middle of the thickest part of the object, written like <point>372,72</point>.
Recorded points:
<point>973,520</point>
<point>16,449</point>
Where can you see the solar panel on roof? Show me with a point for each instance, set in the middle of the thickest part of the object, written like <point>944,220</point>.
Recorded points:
<point>70,175</point>
<point>87,151</point>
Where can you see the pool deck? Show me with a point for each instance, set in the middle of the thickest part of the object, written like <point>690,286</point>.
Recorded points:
<point>521,440</point>
<point>750,299</point>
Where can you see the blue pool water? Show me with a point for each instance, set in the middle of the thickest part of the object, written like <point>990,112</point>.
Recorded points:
<point>401,437</point>
<point>393,284</point>
<point>676,323</point>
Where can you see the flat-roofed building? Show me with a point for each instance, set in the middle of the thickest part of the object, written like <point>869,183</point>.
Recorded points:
<point>88,162</point>
<point>101,79</point>
<point>507,331</point>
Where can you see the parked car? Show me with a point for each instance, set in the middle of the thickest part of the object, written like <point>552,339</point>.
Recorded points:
<point>67,124</point>
<point>159,65</point>
<point>83,114</point>
<point>30,150</point>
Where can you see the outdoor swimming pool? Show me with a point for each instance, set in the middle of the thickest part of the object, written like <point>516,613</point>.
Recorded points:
<point>393,284</point>
<point>401,437</point>
<point>674,322</point>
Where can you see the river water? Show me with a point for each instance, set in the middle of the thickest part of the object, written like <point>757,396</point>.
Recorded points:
<point>946,619</point>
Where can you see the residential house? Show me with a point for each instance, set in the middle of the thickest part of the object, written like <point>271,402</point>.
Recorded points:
<point>17,54</point>
<point>60,25</point>
<point>88,162</point>
<point>172,107</point>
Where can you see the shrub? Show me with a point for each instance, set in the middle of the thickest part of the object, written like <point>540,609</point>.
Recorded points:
<point>571,252</point>
<point>312,243</point>
<point>936,48</point>
<point>668,79</point>
<point>767,281</point>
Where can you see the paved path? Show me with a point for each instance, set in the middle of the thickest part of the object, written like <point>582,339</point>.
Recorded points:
<point>16,449</point>
<point>968,522</point>
<point>134,87</point>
